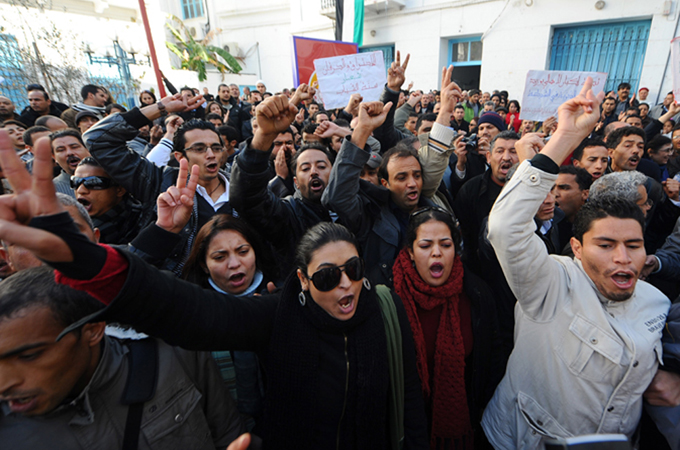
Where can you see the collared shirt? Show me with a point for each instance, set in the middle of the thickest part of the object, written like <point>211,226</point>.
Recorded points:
<point>224,198</point>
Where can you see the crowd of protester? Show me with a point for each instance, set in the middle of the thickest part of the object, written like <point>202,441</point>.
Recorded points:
<point>424,271</point>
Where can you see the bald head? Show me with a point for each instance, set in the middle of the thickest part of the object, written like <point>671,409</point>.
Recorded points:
<point>6,108</point>
<point>54,123</point>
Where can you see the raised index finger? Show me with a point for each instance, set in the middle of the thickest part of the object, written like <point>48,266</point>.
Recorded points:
<point>12,166</point>
<point>43,186</point>
<point>183,171</point>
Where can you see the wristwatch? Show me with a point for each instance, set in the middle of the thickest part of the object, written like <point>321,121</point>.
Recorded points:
<point>161,109</point>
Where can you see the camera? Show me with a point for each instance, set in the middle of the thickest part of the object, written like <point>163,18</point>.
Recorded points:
<point>470,142</point>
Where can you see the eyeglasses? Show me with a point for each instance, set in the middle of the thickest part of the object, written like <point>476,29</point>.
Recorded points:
<point>328,278</point>
<point>202,148</point>
<point>92,183</point>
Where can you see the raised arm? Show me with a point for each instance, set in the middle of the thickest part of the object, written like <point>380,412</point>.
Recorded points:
<point>386,133</point>
<point>151,300</point>
<point>534,277</point>
<point>107,143</point>
<point>342,193</point>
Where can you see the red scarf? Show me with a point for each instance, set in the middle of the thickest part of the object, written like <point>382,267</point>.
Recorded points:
<point>450,415</point>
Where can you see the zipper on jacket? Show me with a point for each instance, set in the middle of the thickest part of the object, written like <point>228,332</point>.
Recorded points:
<point>344,402</point>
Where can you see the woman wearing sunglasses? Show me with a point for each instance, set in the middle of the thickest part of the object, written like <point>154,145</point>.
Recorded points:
<point>453,318</point>
<point>322,339</point>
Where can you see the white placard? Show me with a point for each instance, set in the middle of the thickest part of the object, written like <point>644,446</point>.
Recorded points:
<point>675,52</point>
<point>546,90</point>
<point>341,76</point>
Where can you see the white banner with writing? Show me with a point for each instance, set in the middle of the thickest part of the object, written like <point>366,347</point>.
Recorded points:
<point>341,76</point>
<point>546,90</point>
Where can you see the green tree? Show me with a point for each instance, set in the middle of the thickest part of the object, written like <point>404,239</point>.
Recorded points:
<point>196,55</point>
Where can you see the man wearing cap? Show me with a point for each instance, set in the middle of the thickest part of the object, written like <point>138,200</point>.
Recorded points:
<point>642,94</point>
<point>370,171</point>
<point>85,120</point>
<point>469,161</point>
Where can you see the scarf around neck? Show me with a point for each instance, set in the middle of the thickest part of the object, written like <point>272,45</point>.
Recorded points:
<point>80,107</point>
<point>446,387</point>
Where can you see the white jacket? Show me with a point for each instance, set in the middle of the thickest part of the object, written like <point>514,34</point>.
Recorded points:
<point>581,362</point>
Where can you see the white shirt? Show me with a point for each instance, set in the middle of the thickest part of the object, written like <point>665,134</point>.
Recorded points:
<point>224,198</point>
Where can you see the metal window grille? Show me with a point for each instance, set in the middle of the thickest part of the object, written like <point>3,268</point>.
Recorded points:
<point>616,48</point>
<point>192,8</point>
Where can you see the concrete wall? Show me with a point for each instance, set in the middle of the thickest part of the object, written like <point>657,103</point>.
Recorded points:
<point>516,35</point>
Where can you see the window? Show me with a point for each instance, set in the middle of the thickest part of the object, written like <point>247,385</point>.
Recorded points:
<point>192,8</point>
<point>388,54</point>
<point>465,52</point>
<point>615,48</point>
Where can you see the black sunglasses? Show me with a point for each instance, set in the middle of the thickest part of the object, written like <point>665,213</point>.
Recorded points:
<point>328,278</point>
<point>93,183</point>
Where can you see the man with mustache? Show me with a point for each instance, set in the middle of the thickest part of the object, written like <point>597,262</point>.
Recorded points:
<point>282,221</point>
<point>587,334</point>
<point>477,196</point>
<point>68,150</point>
<point>626,146</point>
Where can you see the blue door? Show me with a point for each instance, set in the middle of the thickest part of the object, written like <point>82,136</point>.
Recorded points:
<point>616,48</point>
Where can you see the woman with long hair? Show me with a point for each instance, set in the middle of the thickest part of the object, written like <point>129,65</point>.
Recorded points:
<point>452,316</point>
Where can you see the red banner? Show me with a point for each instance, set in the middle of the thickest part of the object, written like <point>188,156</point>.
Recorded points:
<point>306,50</point>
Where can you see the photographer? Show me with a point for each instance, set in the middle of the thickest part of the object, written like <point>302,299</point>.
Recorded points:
<point>469,159</point>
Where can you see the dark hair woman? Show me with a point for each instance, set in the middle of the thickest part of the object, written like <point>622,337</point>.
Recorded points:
<point>322,338</point>
<point>452,316</point>
<point>147,98</point>
<point>214,108</point>
<point>228,256</point>
<point>512,118</point>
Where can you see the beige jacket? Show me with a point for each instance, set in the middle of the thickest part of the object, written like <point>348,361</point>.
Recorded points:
<point>581,362</point>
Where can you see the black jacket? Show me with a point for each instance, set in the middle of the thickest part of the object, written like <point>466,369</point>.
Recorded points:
<point>140,177</point>
<point>282,221</point>
<point>28,116</point>
<point>224,322</point>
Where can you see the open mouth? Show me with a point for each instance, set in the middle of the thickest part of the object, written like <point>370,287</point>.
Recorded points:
<point>316,184</point>
<point>596,175</point>
<point>212,167</point>
<point>237,279</point>
<point>86,203</point>
<point>437,270</point>
<point>634,160</point>
<point>623,280</point>
<point>346,303</point>
<point>22,404</point>
<point>72,161</point>
<point>412,196</point>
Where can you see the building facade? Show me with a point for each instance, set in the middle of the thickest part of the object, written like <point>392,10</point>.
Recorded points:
<point>491,43</point>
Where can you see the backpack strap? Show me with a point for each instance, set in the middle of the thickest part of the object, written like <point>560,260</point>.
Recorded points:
<point>140,386</point>
<point>395,360</point>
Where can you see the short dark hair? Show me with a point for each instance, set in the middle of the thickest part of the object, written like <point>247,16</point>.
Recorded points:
<point>310,146</point>
<point>623,85</point>
<point>13,122</point>
<point>632,115</point>
<point>230,132</point>
<point>615,137</point>
<point>458,106</point>
<point>213,116</point>
<point>112,106</point>
<point>178,140</point>
<point>310,128</point>
<point>415,221</point>
<point>28,134</point>
<point>587,142</point>
<point>316,237</point>
<point>654,145</point>
<point>603,207</point>
<point>341,123</point>
<point>88,89</point>
<point>398,151</point>
<point>430,117</point>
<point>35,288</point>
<point>194,269</point>
<point>415,114</point>
<point>67,132</point>
<point>32,88</point>
<point>506,134</point>
<point>89,161</point>
<point>320,111</point>
<point>583,178</point>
